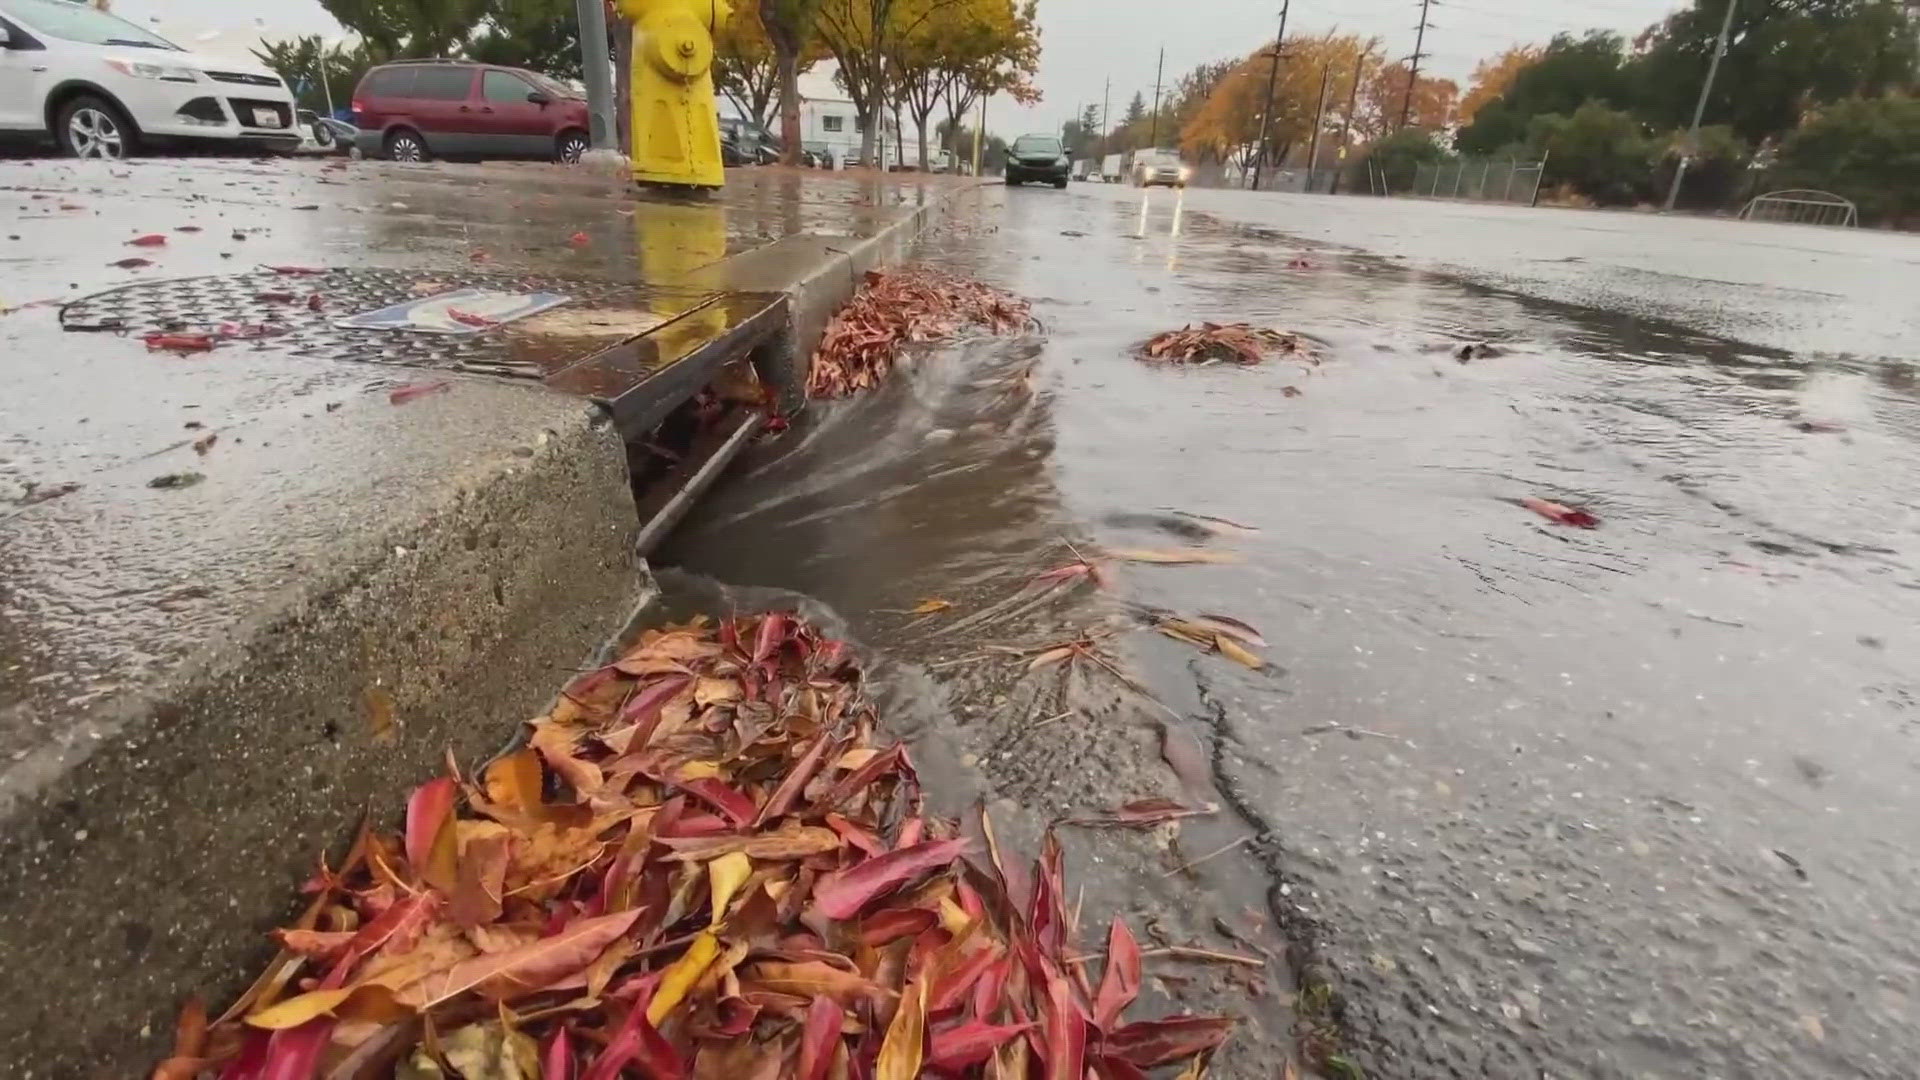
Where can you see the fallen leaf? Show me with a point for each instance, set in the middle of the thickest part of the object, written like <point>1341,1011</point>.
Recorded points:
<point>205,443</point>
<point>1142,814</point>
<point>516,972</point>
<point>149,240</point>
<point>467,318</point>
<point>176,480</point>
<point>842,895</point>
<point>1174,556</point>
<point>400,395</point>
<point>580,239</point>
<point>1120,983</point>
<point>380,724</point>
<point>1560,515</point>
<point>431,849</point>
<point>133,263</point>
<point>819,1038</point>
<point>958,1048</point>
<point>514,780</point>
<point>294,271</point>
<point>931,607</point>
<point>272,296</point>
<point>900,1054</point>
<point>1151,1043</point>
<point>180,342</point>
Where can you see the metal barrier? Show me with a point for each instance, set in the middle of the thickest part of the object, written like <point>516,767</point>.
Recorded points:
<point>1802,206</point>
<point>1480,179</point>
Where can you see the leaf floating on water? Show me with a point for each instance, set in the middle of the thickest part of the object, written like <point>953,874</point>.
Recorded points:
<point>132,263</point>
<point>1173,556</point>
<point>1142,814</point>
<point>400,395</point>
<point>932,606</point>
<point>182,343</point>
<point>864,339</point>
<point>176,480</point>
<point>1560,515</point>
<point>1240,343</point>
<point>149,240</point>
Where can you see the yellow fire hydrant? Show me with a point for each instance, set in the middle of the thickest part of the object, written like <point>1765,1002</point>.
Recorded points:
<point>676,123</point>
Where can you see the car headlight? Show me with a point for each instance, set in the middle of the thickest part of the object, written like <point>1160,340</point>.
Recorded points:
<point>1186,172</point>
<point>162,72</point>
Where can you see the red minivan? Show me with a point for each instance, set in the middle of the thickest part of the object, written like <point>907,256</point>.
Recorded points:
<point>414,110</point>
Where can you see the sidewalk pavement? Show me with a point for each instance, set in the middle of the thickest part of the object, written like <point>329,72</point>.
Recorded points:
<point>243,591</point>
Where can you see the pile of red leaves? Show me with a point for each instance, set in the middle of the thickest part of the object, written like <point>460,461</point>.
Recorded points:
<point>1241,343</point>
<point>863,340</point>
<point>702,864</point>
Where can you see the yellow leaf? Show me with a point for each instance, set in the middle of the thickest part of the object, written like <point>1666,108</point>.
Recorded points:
<point>682,975</point>
<point>707,691</point>
<point>514,780</point>
<point>300,1008</point>
<point>697,770</point>
<point>931,606</point>
<point>900,1053</point>
<point>725,875</point>
<point>380,719</point>
<point>1174,556</point>
<point>1237,652</point>
<point>953,917</point>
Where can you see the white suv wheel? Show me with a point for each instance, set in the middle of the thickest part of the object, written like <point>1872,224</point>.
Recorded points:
<point>94,133</point>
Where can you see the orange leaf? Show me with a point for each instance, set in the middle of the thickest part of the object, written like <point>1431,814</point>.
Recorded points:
<point>900,1054</point>
<point>504,975</point>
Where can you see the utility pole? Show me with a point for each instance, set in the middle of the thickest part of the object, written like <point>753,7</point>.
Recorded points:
<point>1413,70</point>
<point>979,135</point>
<point>1346,123</point>
<point>596,71</point>
<point>1319,112</point>
<point>1266,112</point>
<point>1700,107</point>
<point>1106,106</point>
<point>1153,126</point>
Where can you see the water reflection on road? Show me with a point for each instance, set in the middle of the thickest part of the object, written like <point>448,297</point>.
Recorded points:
<point>1634,801</point>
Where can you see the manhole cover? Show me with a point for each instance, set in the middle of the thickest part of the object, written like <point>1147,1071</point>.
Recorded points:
<point>283,310</point>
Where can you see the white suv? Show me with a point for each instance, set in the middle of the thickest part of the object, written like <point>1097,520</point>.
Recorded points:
<point>101,86</point>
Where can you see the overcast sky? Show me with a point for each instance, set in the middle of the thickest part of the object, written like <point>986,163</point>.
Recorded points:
<point>1085,42</point>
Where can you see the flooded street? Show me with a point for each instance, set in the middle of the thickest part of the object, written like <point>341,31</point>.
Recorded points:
<point>1515,800</point>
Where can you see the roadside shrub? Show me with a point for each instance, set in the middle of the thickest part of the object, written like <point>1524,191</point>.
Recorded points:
<point>1398,156</point>
<point>1864,149</point>
<point>1600,152</point>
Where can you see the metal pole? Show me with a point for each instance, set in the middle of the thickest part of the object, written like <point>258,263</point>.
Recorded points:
<point>979,135</point>
<point>1313,144</point>
<point>1700,107</point>
<point>1486,166</point>
<point>1539,176</point>
<point>1512,167</point>
<point>1153,125</point>
<point>1413,70</point>
<point>326,88</point>
<point>596,71</point>
<point>1266,112</point>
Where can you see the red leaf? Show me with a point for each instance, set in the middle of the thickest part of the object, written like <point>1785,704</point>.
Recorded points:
<point>855,835</point>
<point>180,342</point>
<point>818,1041</point>
<point>795,782</point>
<point>893,924</point>
<point>275,297</point>
<point>558,1061</point>
<point>149,240</point>
<point>296,271</point>
<point>969,1044</point>
<point>428,809</point>
<point>402,924</point>
<point>1148,1043</point>
<point>527,968</point>
<point>579,239</point>
<point>1066,1032</point>
<point>400,395</point>
<point>729,801</point>
<point>315,302</point>
<point>294,1053</point>
<point>644,707</point>
<point>842,895</point>
<point>638,1042</point>
<point>955,983</point>
<point>133,263</point>
<point>993,981</point>
<point>1560,515</point>
<point>773,629</point>
<point>468,318</point>
<point>1047,912</point>
<point>881,764</point>
<point>1120,984</point>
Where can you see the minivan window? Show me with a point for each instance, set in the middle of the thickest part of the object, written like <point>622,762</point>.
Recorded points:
<point>85,24</point>
<point>442,83</point>
<point>504,86</point>
<point>390,82</point>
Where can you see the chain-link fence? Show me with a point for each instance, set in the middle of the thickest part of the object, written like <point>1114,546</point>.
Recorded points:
<point>1506,180</point>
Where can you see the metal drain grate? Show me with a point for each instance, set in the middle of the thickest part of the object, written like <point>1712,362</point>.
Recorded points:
<point>204,303</point>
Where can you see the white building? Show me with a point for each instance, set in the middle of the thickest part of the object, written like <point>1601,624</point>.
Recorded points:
<point>827,118</point>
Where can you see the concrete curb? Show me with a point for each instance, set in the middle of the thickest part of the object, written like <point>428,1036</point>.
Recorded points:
<point>148,861</point>
<point>152,867</point>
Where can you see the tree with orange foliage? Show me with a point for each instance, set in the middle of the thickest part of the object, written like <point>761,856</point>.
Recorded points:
<point>1382,92</point>
<point>1226,127</point>
<point>1493,76</point>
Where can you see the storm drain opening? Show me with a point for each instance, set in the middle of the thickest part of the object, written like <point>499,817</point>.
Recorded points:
<point>678,461</point>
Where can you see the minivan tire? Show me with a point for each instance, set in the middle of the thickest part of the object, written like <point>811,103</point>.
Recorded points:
<point>405,144</point>
<point>89,126</point>
<point>570,146</point>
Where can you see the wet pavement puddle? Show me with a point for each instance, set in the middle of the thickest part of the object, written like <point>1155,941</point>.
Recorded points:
<point>1631,801</point>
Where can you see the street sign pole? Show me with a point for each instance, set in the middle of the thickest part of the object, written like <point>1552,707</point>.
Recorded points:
<point>1700,107</point>
<point>596,72</point>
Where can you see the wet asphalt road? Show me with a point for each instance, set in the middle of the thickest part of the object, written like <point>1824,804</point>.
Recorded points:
<point>1638,801</point>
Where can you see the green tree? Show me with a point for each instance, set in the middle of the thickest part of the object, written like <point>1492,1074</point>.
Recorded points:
<point>1396,157</point>
<point>542,35</point>
<point>1136,110</point>
<point>411,28</point>
<point>1570,72</point>
<point>1783,57</point>
<point>1602,153</point>
<point>1717,174</point>
<point>1867,150</point>
<point>299,61</point>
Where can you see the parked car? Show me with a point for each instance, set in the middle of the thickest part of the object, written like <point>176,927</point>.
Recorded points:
<point>102,87</point>
<point>1151,167</point>
<point>1037,157</point>
<point>817,155</point>
<point>416,110</point>
<point>743,142</point>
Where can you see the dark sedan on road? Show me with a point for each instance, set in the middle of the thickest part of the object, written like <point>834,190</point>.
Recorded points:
<point>1038,157</point>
